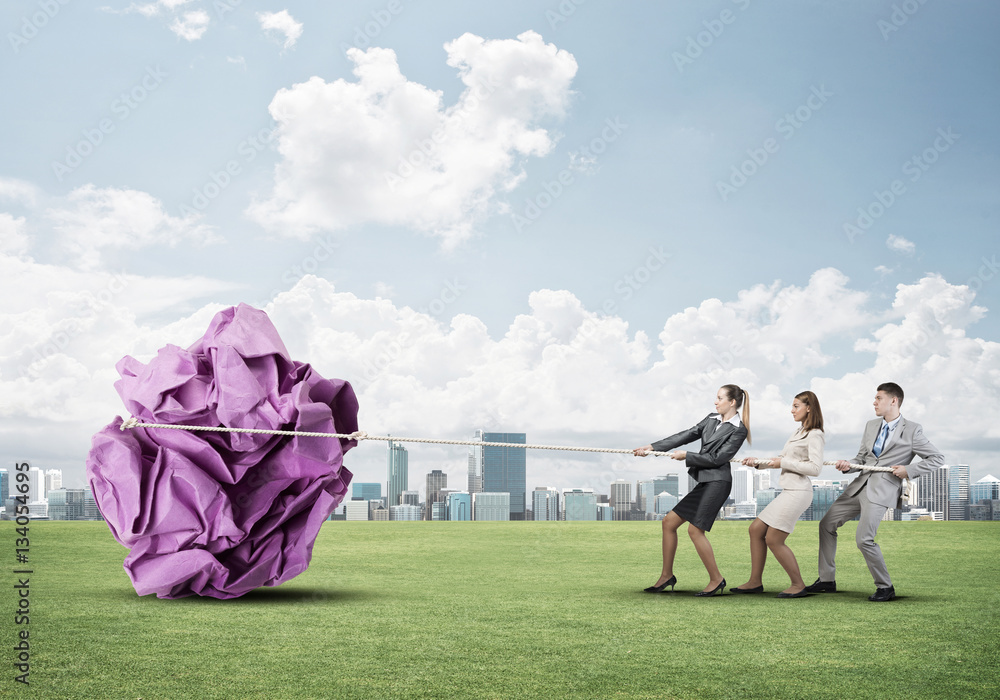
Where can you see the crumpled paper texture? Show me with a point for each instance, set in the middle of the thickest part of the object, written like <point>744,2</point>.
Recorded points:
<point>220,514</point>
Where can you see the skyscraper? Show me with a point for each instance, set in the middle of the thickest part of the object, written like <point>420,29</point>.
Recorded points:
<point>53,481</point>
<point>743,485</point>
<point>436,480</point>
<point>932,491</point>
<point>476,464</point>
<point>958,492</point>
<point>36,485</point>
<point>545,503</point>
<point>761,480</point>
<point>397,464</point>
<point>505,471</point>
<point>620,499</point>
<point>4,486</point>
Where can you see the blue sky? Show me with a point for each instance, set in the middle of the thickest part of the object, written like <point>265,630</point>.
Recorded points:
<point>636,116</point>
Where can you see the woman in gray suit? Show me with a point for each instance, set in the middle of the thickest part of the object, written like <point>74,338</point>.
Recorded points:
<point>801,458</point>
<point>721,434</point>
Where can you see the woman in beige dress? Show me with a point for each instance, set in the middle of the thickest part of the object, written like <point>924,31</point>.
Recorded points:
<point>801,458</point>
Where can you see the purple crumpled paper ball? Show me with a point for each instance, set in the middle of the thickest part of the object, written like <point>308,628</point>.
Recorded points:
<point>215,513</point>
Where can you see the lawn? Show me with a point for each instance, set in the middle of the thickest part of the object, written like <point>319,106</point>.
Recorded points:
<point>516,610</point>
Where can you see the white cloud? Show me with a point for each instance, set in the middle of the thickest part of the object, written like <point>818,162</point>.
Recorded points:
<point>13,238</point>
<point>191,25</point>
<point>900,244</point>
<point>384,149</point>
<point>281,23</point>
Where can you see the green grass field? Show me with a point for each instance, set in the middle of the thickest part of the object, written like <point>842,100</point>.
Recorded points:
<point>516,610</point>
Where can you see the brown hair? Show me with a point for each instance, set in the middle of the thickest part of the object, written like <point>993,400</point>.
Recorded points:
<point>813,419</point>
<point>894,390</point>
<point>741,398</point>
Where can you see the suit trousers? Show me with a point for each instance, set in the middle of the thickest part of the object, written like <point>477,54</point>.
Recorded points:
<point>842,510</point>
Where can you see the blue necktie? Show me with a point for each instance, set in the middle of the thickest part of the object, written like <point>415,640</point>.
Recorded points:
<point>880,440</point>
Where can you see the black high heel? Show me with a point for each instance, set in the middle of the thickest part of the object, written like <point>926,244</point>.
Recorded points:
<point>720,589</point>
<point>659,589</point>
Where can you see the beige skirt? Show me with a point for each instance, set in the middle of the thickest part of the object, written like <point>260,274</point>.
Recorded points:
<point>783,511</point>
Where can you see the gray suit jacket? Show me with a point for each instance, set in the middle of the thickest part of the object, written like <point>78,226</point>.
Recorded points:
<point>885,488</point>
<point>719,443</point>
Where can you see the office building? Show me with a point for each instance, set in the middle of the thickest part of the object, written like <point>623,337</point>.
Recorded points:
<point>958,492</point>
<point>932,491</point>
<point>405,512</point>
<point>68,504</point>
<point>409,498</point>
<point>545,503</point>
<point>356,510</point>
<point>439,510</point>
<point>366,491</point>
<point>4,486</point>
<point>36,485</point>
<point>381,514</point>
<point>580,504</point>
<point>644,495</point>
<point>397,465</point>
<point>823,497</point>
<point>986,489</point>
<point>985,509</point>
<point>505,471</point>
<point>460,505</point>
<point>620,499</point>
<point>476,464</point>
<point>743,485</point>
<point>664,503</point>
<point>488,505</point>
<point>436,481</point>
<point>605,512</point>
<point>53,480</point>
<point>761,480</point>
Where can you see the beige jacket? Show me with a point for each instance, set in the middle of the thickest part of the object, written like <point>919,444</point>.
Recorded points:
<point>801,458</point>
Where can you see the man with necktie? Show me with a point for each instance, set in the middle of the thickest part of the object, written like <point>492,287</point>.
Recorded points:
<point>890,440</point>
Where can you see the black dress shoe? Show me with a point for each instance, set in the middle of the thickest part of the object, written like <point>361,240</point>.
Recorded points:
<point>721,588</point>
<point>756,589</point>
<point>801,594</point>
<point>659,589</point>
<point>822,587</point>
<point>883,594</point>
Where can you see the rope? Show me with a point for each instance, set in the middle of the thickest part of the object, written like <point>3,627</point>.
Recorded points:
<point>360,435</point>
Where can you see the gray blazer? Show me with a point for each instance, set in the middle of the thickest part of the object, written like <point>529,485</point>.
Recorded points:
<point>719,443</point>
<point>885,488</point>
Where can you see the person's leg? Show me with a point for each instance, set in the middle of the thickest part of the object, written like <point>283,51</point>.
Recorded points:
<point>704,549</point>
<point>671,521</point>
<point>871,516</point>
<point>842,510</point>
<point>783,553</point>
<point>758,553</point>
